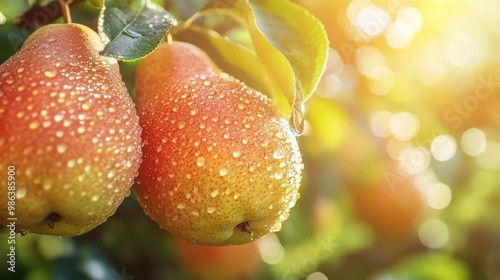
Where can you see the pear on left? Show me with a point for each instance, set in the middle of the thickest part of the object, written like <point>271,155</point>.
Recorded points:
<point>70,140</point>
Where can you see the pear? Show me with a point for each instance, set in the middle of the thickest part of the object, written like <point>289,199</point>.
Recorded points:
<point>220,163</point>
<point>70,141</point>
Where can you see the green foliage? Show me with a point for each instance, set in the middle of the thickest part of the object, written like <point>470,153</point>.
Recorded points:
<point>132,29</point>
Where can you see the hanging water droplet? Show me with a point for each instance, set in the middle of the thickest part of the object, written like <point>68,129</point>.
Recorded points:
<point>297,116</point>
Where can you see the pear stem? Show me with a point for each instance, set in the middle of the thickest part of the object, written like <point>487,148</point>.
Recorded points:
<point>168,38</point>
<point>65,11</point>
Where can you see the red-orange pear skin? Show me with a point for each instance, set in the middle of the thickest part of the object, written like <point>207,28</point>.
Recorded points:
<point>69,132</point>
<point>220,163</point>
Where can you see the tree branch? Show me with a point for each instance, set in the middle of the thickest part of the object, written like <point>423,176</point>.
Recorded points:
<point>39,15</point>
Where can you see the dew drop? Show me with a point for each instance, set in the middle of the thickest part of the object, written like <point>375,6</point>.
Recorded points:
<point>207,83</point>
<point>278,154</point>
<point>95,198</point>
<point>182,125</point>
<point>49,74</point>
<point>251,169</point>
<point>85,106</point>
<point>195,213</point>
<point>200,161</point>
<point>244,141</point>
<point>58,117</point>
<point>71,163</point>
<point>51,40</point>
<point>61,148</point>
<point>228,121</point>
<point>194,112</point>
<point>47,186</point>
<point>189,176</point>
<point>181,206</point>
<point>214,193</point>
<point>34,125</point>
<point>210,209</point>
<point>21,193</point>
<point>236,195</point>
<point>223,172</point>
<point>236,154</point>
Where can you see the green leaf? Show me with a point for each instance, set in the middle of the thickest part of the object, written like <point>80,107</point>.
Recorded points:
<point>291,43</point>
<point>131,29</point>
<point>231,57</point>
<point>96,3</point>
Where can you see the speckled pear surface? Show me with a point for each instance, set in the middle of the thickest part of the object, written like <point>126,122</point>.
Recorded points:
<point>69,127</point>
<point>220,164</point>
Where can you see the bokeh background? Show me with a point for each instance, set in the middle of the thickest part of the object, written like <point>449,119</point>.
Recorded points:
<point>401,152</point>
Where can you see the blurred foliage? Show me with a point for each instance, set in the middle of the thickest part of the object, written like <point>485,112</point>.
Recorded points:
<point>401,152</point>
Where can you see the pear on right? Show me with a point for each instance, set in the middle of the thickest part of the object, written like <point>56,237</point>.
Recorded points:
<point>220,164</point>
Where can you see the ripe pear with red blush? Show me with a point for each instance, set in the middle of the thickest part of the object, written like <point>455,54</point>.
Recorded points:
<point>220,163</point>
<point>69,133</point>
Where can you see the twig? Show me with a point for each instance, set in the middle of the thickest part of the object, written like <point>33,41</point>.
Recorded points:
<point>39,15</point>
<point>64,7</point>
